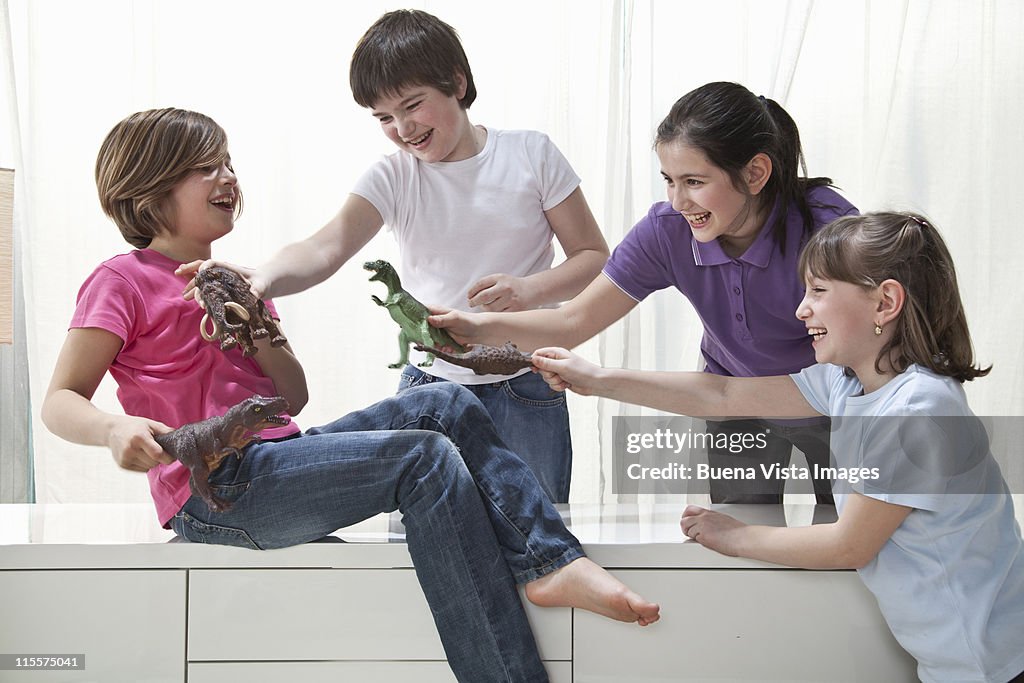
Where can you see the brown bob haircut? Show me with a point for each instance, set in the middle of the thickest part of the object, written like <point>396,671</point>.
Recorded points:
<point>141,160</point>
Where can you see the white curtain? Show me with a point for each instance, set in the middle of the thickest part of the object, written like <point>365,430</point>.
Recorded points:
<point>911,105</point>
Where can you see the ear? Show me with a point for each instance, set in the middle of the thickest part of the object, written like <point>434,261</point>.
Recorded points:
<point>891,299</point>
<point>757,172</point>
<point>460,85</point>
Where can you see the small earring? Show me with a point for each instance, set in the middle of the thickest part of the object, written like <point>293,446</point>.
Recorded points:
<point>878,329</point>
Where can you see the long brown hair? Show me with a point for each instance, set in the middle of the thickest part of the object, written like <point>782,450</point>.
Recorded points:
<point>730,125</point>
<point>866,250</point>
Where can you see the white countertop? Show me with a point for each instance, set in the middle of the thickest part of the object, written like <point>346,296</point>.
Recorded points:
<point>128,537</point>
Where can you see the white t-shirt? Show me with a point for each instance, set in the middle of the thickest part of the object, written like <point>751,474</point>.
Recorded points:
<point>459,221</point>
<point>950,580</point>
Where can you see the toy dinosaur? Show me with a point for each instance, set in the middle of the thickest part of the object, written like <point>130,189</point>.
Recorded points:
<point>238,316</point>
<point>410,315</point>
<point>485,360</point>
<point>201,446</point>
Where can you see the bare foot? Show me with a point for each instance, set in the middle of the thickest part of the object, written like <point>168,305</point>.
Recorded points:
<point>586,585</point>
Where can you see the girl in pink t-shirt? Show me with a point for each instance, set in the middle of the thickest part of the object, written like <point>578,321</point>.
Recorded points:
<point>165,178</point>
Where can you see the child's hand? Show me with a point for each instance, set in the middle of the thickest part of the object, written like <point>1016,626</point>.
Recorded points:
<point>461,325</point>
<point>257,284</point>
<point>712,529</point>
<point>500,292</point>
<point>132,445</point>
<point>563,370</point>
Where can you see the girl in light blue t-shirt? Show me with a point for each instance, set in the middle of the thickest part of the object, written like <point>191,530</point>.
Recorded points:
<point>925,515</point>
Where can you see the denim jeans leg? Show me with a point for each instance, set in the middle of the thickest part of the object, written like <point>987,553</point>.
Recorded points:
<point>530,530</point>
<point>380,459</point>
<point>530,418</point>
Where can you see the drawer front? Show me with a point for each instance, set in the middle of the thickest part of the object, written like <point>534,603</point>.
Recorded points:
<point>329,614</point>
<point>341,672</point>
<point>738,625</point>
<point>130,625</point>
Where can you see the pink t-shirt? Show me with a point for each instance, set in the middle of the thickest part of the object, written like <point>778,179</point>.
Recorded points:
<point>165,370</point>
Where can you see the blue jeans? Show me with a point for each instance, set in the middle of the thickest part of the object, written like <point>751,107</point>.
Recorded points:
<point>531,419</point>
<point>476,520</point>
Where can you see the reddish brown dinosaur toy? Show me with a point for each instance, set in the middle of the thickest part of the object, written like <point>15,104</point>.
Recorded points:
<point>485,360</point>
<point>238,316</point>
<point>201,446</point>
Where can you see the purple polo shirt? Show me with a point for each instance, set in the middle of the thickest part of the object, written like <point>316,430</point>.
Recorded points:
<point>747,304</point>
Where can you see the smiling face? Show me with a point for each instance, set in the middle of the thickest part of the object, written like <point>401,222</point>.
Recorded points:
<point>707,198</point>
<point>202,206</point>
<point>841,316</point>
<point>428,124</point>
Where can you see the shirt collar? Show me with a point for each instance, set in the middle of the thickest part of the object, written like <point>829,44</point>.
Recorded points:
<point>758,254</point>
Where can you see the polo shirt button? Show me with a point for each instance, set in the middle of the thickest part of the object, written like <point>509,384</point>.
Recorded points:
<point>736,290</point>
<point>739,316</point>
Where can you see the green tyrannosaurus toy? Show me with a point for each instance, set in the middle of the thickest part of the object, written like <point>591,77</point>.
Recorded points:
<point>410,315</point>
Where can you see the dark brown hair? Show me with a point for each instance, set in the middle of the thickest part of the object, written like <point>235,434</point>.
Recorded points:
<point>141,160</point>
<point>730,125</point>
<point>869,249</point>
<point>407,48</point>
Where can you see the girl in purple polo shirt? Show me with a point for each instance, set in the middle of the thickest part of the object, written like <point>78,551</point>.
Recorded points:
<point>728,238</point>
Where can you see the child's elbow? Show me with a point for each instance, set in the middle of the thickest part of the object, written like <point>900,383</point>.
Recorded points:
<point>854,556</point>
<point>297,399</point>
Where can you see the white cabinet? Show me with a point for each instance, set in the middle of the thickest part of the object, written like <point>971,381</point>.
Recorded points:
<point>129,624</point>
<point>347,622</point>
<point>744,625</point>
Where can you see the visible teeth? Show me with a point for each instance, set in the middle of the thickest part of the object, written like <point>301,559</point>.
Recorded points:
<point>419,139</point>
<point>697,218</point>
<point>224,200</point>
<point>817,332</point>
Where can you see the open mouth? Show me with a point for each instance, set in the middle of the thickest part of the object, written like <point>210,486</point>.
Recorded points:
<point>817,333</point>
<point>697,219</point>
<point>422,140</point>
<point>225,203</point>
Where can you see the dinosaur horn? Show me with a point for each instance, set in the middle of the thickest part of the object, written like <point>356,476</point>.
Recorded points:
<point>209,336</point>
<point>237,309</point>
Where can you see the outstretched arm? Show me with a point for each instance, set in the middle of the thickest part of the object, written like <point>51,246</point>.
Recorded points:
<point>300,265</point>
<point>69,413</point>
<point>594,309</point>
<point>850,543</point>
<point>585,254</point>
<point>698,394</point>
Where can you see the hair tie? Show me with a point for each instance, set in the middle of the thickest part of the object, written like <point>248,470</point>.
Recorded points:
<point>920,221</point>
<point>761,97</point>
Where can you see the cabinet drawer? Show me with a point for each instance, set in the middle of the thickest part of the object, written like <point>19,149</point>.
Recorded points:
<point>130,625</point>
<point>738,625</point>
<point>329,614</point>
<point>341,672</point>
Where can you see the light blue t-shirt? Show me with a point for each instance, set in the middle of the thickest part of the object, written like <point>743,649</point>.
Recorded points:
<point>950,580</point>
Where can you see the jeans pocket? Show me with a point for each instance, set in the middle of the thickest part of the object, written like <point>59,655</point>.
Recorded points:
<point>531,389</point>
<point>197,531</point>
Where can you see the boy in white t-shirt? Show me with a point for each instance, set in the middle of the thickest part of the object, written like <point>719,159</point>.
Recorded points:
<point>473,209</point>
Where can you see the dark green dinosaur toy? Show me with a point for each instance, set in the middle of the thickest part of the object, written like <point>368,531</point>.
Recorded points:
<point>201,446</point>
<point>410,315</point>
